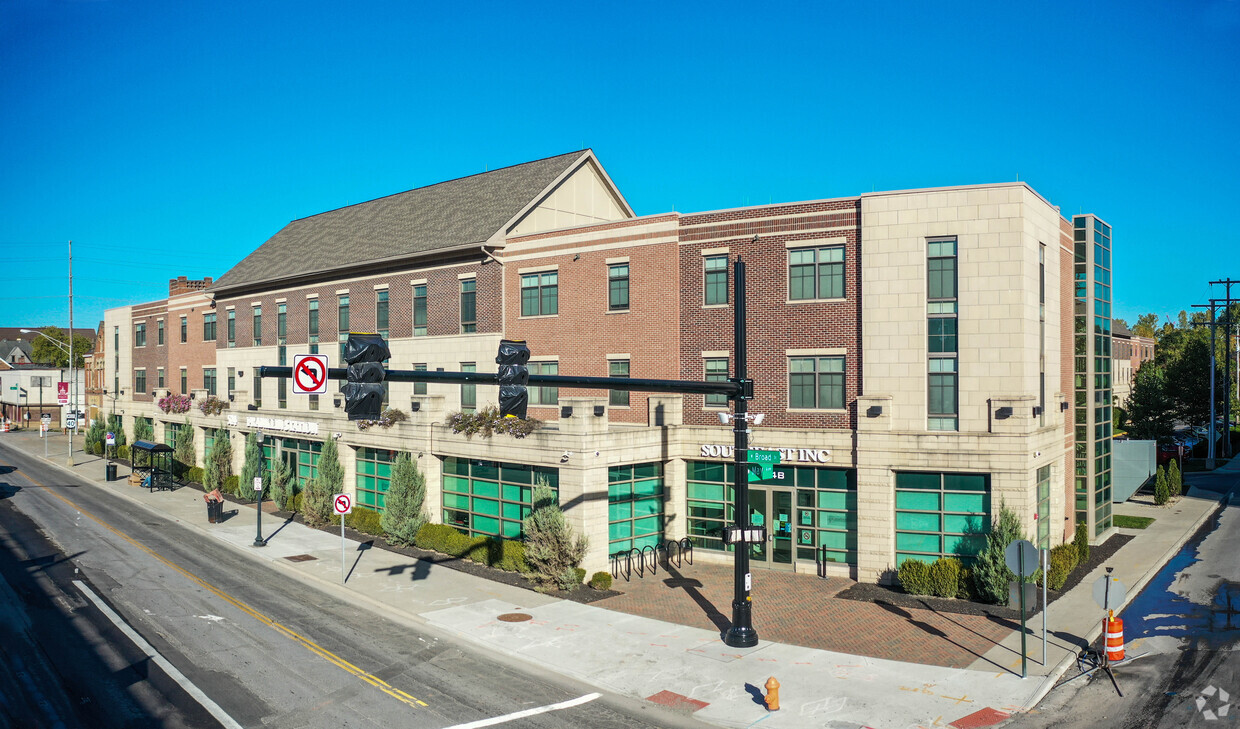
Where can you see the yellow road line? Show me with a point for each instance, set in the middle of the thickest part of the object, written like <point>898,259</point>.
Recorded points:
<point>310,645</point>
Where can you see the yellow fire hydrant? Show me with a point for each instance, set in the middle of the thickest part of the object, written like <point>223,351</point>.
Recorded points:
<point>772,694</point>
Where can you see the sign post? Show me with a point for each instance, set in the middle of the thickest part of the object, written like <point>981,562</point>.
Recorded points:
<point>342,504</point>
<point>258,491</point>
<point>1046,570</point>
<point>1021,557</point>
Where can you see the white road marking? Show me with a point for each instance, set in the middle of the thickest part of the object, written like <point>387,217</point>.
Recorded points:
<point>212,618</point>
<point>212,707</point>
<point>528,712</point>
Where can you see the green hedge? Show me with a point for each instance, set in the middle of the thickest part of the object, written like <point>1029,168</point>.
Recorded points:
<point>504,554</point>
<point>914,576</point>
<point>193,475</point>
<point>1063,561</point>
<point>230,484</point>
<point>600,581</point>
<point>945,577</point>
<point>363,520</point>
<point>122,452</point>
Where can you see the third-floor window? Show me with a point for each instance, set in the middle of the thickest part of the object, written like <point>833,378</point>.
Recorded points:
<point>208,327</point>
<point>816,273</point>
<point>419,310</point>
<point>540,294</point>
<point>469,306</point>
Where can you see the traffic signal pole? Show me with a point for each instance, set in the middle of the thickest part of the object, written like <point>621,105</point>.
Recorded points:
<point>741,634</point>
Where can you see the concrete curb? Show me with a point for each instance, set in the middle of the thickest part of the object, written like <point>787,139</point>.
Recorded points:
<point>1053,677</point>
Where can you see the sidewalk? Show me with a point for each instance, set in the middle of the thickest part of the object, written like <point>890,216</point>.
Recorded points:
<point>681,666</point>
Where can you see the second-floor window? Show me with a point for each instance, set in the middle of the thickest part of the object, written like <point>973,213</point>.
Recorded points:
<point>540,294</point>
<point>816,273</point>
<point>544,395</point>
<point>208,380</point>
<point>184,329</point>
<point>232,328</point>
<point>312,321</point>
<point>342,321</point>
<point>419,310</point>
<point>184,381</point>
<point>139,381</point>
<point>716,371</point>
<point>281,324</point>
<point>419,388</point>
<point>258,326</point>
<point>159,377</point>
<point>469,392</point>
<point>208,327</point>
<point>139,335</point>
<point>159,332</point>
<point>469,306</point>
<point>716,280</point>
<point>381,313</point>
<point>816,383</point>
<point>618,287</point>
<point>618,368</point>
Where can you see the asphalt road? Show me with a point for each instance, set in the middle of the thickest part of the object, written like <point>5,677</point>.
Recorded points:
<point>1182,668</point>
<point>261,648</point>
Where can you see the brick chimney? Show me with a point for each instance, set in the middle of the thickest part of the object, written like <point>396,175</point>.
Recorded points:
<point>183,285</point>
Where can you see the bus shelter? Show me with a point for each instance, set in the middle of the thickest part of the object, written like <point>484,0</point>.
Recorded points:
<point>153,462</point>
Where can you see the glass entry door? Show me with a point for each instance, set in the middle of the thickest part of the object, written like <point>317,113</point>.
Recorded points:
<point>772,508</point>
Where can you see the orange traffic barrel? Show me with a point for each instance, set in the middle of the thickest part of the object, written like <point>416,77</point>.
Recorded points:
<point>1115,639</point>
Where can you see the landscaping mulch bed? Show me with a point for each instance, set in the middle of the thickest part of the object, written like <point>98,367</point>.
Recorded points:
<point>895,595</point>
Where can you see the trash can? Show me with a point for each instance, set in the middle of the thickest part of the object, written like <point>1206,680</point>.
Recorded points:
<point>111,471</point>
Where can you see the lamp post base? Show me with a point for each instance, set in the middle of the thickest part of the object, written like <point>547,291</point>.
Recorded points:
<point>259,542</point>
<point>741,634</point>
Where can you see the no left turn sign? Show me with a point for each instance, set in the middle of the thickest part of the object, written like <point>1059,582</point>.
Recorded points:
<point>309,374</point>
<point>342,503</point>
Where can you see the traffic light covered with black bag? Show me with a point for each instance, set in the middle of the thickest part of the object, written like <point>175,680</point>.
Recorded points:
<point>513,377</point>
<point>363,393</point>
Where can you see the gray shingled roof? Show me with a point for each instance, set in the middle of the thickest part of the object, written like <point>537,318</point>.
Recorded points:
<point>464,211</point>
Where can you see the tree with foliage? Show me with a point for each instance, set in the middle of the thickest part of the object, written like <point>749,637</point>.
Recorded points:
<point>253,466</point>
<point>281,486</point>
<point>1162,493</point>
<point>219,462</point>
<point>1150,408</point>
<point>95,437</point>
<point>403,506</point>
<point>47,353</point>
<point>316,497</point>
<point>990,572</point>
<point>551,549</point>
<point>185,454</point>
<point>1175,482</point>
<point>143,429</point>
<point>1146,326</point>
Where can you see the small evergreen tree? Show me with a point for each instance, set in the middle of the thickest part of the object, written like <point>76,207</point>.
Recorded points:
<point>990,573</point>
<point>95,437</point>
<point>114,427</point>
<point>253,465</point>
<point>143,429</point>
<point>316,498</point>
<point>1175,481</point>
<point>403,513</point>
<point>185,454</point>
<point>1080,540</point>
<point>281,485</point>
<point>219,462</point>
<point>1162,493</point>
<point>551,549</point>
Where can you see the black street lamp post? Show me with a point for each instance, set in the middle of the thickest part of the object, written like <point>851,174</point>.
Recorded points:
<point>258,536</point>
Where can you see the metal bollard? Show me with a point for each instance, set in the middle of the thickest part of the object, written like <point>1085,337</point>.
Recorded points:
<point>772,694</point>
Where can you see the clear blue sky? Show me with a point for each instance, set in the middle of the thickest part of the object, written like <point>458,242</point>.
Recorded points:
<point>168,138</point>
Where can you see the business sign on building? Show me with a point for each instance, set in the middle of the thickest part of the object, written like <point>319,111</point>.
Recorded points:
<point>275,424</point>
<point>786,455</point>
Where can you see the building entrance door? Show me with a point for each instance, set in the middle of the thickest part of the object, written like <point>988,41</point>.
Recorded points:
<point>772,508</point>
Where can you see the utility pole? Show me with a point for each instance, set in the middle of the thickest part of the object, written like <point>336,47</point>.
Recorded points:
<point>1227,370</point>
<point>72,374</point>
<point>1212,435</point>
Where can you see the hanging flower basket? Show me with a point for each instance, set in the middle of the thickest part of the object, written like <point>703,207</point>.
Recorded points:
<point>387,419</point>
<point>174,403</point>
<point>488,421</point>
<point>213,405</point>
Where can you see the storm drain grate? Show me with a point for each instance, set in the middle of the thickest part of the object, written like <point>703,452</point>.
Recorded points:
<point>514,618</point>
<point>300,558</point>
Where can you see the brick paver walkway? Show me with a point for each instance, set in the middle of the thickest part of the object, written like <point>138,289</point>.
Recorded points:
<point>800,609</point>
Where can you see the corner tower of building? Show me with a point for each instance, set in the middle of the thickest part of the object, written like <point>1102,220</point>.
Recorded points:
<point>1092,372</point>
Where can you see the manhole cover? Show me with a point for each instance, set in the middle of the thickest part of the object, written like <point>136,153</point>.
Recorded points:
<point>514,618</point>
<point>300,558</point>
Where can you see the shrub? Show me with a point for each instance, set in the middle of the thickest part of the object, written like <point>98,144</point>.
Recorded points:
<point>316,502</point>
<point>1175,482</point>
<point>252,466</point>
<point>185,454</point>
<point>95,437</point>
<point>512,557</point>
<point>219,461</point>
<point>294,502</point>
<point>114,426</point>
<point>580,576</point>
<point>403,515</point>
<point>964,586</point>
<point>143,429</point>
<point>914,577</point>
<point>1162,492</point>
<point>1080,540</point>
<point>122,452</point>
<point>363,519</point>
<point>194,475</point>
<point>990,573</point>
<point>944,576</point>
<point>1063,561</point>
<point>600,581</point>
<point>230,485</point>
<point>552,550</point>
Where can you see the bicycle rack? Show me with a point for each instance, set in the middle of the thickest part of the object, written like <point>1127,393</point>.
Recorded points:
<point>654,559</point>
<point>673,550</point>
<point>821,561</point>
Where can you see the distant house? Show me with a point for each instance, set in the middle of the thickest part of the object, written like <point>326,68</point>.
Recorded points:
<point>13,353</point>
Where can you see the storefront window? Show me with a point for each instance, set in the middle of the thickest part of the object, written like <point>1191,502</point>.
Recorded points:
<point>302,458</point>
<point>490,498</point>
<point>709,505</point>
<point>634,507</point>
<point>826,524</point>
<point>374,476</point>
<point>941,515</point>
